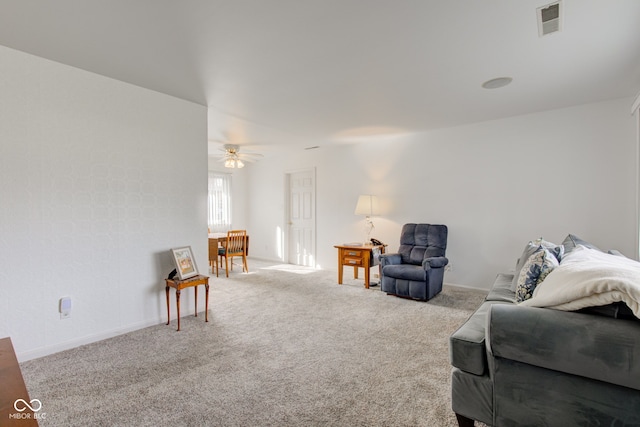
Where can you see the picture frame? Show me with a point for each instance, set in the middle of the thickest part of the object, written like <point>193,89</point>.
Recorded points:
<point>185,262</point>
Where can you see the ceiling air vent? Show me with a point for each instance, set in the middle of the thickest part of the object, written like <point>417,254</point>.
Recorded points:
<point>549,18</point>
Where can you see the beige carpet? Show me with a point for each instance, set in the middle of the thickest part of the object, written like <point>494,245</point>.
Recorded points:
<point>283,347</point>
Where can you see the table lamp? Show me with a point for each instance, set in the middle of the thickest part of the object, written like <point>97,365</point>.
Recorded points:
<point>368,206</point>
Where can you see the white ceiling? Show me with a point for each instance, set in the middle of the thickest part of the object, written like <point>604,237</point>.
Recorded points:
<point>314,72</point>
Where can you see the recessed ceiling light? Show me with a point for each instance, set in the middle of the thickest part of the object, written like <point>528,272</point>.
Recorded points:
<point>497,82</point>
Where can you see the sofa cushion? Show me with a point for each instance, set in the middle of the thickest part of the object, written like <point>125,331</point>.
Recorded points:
<point>501,290</point>
<point>405,271</point>
<point>467,349</point>
<point>571,241</point>
<point>534,271</point>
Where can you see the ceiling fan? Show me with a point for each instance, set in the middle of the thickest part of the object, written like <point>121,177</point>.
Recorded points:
<point>232,157</point>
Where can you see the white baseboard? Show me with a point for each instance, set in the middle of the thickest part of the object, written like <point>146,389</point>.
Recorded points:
<point>466,287</point>
<point>88,339</point>
<point>264,259</point>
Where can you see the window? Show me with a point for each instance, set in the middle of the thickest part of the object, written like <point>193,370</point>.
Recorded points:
<point>219,202</point>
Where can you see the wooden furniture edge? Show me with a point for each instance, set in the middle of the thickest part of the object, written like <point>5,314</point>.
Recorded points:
<point>14,388</point>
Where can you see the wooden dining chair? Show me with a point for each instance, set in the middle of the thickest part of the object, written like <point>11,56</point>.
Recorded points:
<point>213,255</point>
<point>234,246</point>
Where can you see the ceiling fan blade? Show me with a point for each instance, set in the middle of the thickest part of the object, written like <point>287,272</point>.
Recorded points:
<point>226,151</point>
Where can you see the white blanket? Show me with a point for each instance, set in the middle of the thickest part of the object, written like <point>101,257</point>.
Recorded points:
<point>587,278</point>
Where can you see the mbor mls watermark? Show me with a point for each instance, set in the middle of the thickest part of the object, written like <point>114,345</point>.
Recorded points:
<point>21,405</point>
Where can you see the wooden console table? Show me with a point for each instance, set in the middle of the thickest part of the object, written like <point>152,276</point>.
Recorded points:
<point>356,256</point>
<point>13,392</point>
<point>179,285</point>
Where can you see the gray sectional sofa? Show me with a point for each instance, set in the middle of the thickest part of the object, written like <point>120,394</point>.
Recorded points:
<point>528,366</point>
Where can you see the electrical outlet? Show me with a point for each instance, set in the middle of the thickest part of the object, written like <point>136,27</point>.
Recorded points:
<point>64,307</point>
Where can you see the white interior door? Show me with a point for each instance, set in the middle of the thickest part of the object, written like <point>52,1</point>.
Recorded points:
<point>302,218</point>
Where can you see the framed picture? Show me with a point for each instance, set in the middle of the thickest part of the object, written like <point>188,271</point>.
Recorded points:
<point>185,262</point>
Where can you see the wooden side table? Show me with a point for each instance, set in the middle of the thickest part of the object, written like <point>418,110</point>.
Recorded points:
<point>179,285</point>
<point>356,256</point>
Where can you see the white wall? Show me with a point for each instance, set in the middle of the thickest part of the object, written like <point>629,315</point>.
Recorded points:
<point>496,185</point>
<point>98,180</point>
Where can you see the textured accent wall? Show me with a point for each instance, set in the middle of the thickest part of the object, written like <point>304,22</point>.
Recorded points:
<point>98,180</point>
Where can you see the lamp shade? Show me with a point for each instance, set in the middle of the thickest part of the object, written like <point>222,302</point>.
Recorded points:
<point>367,205</point>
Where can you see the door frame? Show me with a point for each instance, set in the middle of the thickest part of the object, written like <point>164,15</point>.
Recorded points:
<point>287,210</point>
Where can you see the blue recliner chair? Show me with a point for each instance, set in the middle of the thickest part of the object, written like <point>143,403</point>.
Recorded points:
<point>417,270</point>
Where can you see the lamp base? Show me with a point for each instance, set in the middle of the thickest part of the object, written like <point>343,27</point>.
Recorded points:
<point>368,227</point>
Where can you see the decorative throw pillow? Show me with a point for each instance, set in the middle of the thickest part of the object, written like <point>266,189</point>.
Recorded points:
<point>530,249</point>
<point>556,250</point>
<point>590,278</point>
<point>534,271</point>
<point>571,241</point>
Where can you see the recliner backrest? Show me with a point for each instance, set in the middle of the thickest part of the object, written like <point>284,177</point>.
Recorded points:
<point>419,241</point>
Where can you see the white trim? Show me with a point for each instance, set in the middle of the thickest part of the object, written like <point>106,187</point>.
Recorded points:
<point>467,288</point>
<point>88,339</point>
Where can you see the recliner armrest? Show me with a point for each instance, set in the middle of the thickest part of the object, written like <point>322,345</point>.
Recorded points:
<point>390,259</point>
<point>434,262</point>
<point>588,345</point>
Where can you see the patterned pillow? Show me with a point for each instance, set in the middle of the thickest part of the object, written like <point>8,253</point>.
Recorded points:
<point>530,249</point>
<point>556,250</point>
<point>534,271</point>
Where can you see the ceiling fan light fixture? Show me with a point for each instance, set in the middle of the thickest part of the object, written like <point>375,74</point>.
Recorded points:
<point>233,158</point>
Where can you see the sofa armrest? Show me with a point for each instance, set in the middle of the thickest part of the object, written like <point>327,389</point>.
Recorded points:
<point>467,347</point>
<point>587,345</point>
<point>390,259</point>
<point>434,262</point>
